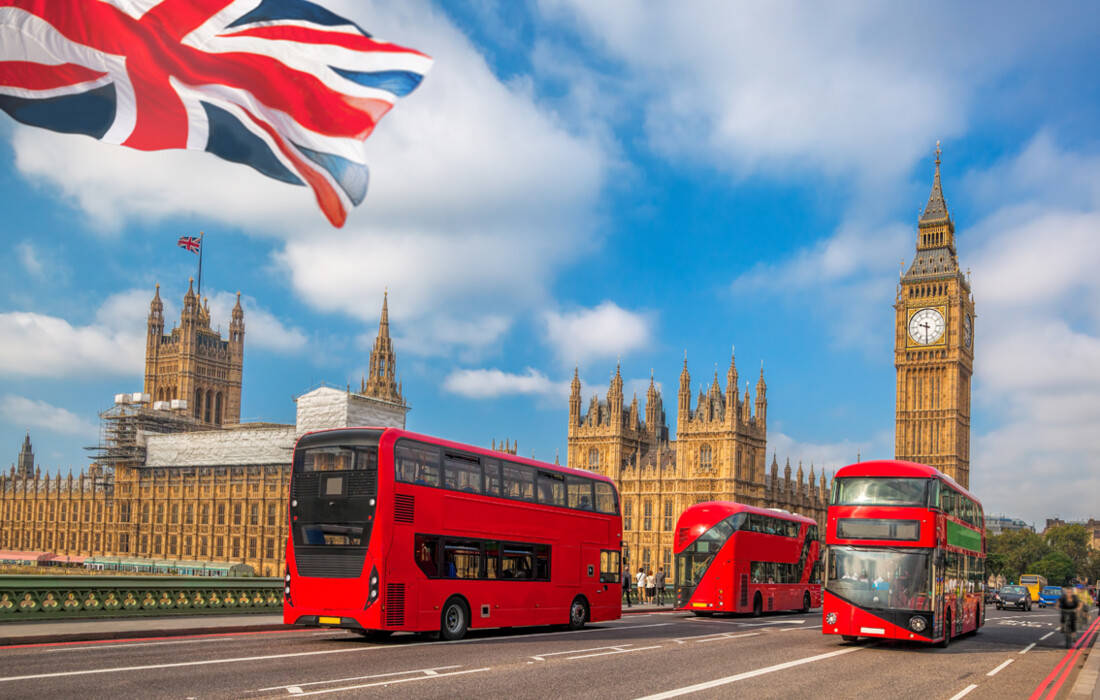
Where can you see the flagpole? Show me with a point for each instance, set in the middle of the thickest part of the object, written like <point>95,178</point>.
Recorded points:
<point>200,267</point>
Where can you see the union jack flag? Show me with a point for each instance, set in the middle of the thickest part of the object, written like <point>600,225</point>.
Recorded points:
<point>190,243</point>
<point>284,86</point>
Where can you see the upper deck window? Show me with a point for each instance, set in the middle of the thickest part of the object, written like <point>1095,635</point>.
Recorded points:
<point>879,491</point>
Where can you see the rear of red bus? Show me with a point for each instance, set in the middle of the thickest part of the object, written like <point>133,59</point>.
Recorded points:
<point>333,558</point>
<point>889,570</point>
<point>736,558</point>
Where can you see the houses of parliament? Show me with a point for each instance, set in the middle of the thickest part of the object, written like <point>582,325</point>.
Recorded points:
<point>177,476</point>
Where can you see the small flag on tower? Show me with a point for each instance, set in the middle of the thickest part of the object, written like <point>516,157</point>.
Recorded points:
<point>190,243</point>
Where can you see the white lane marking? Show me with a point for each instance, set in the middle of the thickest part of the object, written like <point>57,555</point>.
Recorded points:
<point>429,671</point>
<point>800,629</point>
<point>178,664</point>
<point>392,681</point>
<point>716,635</point>
<point>1045,636</point>
<point>88,647</point>
<point>542,657</point>
<point>999,668</point>
<point>748,674</point>
<point>963,692</point>
<point>605,653</point>
<point>1028,648</point>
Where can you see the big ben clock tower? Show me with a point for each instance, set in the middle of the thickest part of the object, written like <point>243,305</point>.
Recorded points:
<point>934,348</point>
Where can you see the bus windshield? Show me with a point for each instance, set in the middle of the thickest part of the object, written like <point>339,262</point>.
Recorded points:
<point>693,562</point>
<point>893,578</point>
<point>334,489</point>
<point>879,491</point>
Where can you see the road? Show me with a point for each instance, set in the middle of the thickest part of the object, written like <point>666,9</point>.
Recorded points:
<point>775,656</point>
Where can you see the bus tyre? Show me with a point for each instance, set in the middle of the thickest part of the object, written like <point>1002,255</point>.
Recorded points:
<point>757,606</point>
<point>806,602</point>
<point>455,620</point>
<point>578,614</point>
<point>946,632</point>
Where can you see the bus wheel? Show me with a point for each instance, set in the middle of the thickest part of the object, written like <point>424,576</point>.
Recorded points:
<point>455,620</point>
<point>946,632</point>
<point>757,606</point>
<point>850,638</point>
<point>806,602</point>
<point>578,614</point>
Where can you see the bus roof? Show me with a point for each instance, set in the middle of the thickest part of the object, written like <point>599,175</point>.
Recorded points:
<point>396,433</point>
<point>901,468</point>
<point>711,512</point>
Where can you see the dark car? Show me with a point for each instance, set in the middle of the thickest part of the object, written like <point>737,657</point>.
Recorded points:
<point>1013,597</point>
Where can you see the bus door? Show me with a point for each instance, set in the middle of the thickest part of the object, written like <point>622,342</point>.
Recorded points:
<point>937,595</point>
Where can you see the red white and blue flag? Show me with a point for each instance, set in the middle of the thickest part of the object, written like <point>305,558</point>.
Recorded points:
<point>284,86</point>
<point>190,243</point>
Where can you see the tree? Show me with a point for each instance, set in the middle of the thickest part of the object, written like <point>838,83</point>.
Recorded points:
<point>1056,567</point>
<point>1073,541</point>
<point>1021,549</point>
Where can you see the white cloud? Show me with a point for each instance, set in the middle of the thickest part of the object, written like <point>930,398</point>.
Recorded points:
<point>263,330</point>
<point>39,414</point>
<point>606,330</point>
<point>827,456</point>
<point>771,87</point>
<point>36,345</point>
<point>494,383</point>
<point>30,259</point>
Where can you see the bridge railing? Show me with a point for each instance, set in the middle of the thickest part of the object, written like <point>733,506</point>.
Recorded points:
<point>82,597</point>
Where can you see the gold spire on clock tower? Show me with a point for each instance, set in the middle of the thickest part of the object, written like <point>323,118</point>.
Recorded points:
<point>934,347</point>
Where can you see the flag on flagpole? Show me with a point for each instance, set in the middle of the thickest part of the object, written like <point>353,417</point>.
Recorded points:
<point>190,243</point>
<point>284,86</point>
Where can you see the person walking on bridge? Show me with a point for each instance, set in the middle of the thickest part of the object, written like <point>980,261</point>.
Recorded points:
<point>660,581</point>
<point>628,582</point>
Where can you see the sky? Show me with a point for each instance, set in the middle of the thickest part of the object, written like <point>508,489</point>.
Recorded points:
<point>577,184</point>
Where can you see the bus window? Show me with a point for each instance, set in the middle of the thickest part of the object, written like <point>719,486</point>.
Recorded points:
<point>551,488</point>
<point>758,574</point>
<point>517,561</point>
<point>492,477</point>
<point>542,562</point>
<point>417,463</point>
<point>461,559</point>
<point>328,459</point>
<point>580,492</point>
<point>881,491</point>
<point>427,555</point>
<point>609,566</point>
<point>492,560</point>
<point>462,473</point>
<point>605,498</point>
<point>519,482</point>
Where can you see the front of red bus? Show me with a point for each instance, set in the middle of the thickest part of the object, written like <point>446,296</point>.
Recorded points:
<point>880,554</point>
<point>702,531</point>
<point>332,579</point>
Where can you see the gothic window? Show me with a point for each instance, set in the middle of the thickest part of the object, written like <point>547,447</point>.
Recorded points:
<point>628,512</point>
<point>84,542</point>
<point>175,513</point>
<point>269,548</point>
<point>221,515</point>
<point>202,546</point>
<point>645,558</point>
<point>189,518</point>
<point>160,513</point>
<point>52,510</point>
<point>668,516</point>
<point>206,410</point>
<point>251,547</point>
<point>187,545</point>
<point>172,544</point>
<point>218,409</point>
<point>236,547</point>
<point>219,547</point>
<point>738,461</point>
<point>705,459</point>
<point>123,543</point>
<point>271,514</point>
<point>593,459</point>
<point>198,404</point>
<point>647,521</point>
<point>236,514</point>
<point>254,516</point>
<point>41,511</point>
<point>205,514</point>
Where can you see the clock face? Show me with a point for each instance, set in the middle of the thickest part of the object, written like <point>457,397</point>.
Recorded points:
<point>968,330</point>
<point>926,326</point>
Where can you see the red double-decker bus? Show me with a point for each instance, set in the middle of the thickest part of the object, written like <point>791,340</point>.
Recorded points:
<point>736,558</point>
<point>905,554</point>
<point>393,531</point>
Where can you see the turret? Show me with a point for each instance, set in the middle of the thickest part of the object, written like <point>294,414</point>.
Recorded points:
<point>575,398</point>
<point>615,397</point>
<point>775,471</point>
<point>787,474</point>
<point>801,476</point>
<point>761,399</point>
<point>684,408</point>
<point>632,419</point>
<point>746,406</point>
<point>731,388</point>
<point>236,328</point>
<point>652,409</point>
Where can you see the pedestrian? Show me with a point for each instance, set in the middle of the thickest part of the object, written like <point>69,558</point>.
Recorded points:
<point>640,581</point>
<point>661,586</point>
<point>651,586</point>
<point>1069,604</point>
<point>627,581</point>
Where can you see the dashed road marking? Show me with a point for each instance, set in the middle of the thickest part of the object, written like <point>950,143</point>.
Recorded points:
<point>963,692</point>
<point>1000,668</point>
<point>1029,647</point>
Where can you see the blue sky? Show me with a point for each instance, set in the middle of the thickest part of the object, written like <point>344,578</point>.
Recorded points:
<point>578,182</point>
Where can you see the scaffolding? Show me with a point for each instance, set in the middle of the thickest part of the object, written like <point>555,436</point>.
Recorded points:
<point>122,431</point>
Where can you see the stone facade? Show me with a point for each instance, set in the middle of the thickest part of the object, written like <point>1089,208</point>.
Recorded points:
<point>719,454</point>
<point>934,348</point>
<point>168,485</point>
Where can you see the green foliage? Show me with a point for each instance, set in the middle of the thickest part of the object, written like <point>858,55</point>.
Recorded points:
<point>1073,541</point>
<point>1056,567</point>
<point>1021,549</point>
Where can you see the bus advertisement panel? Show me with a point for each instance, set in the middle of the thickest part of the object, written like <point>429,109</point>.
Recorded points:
<point>394,531</point>
<point>736,558</point>
<point>905,554</point>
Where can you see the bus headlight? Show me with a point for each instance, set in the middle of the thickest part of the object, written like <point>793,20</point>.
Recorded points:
<point>830,619</point>
<point>917,623</point>
<point>372,591</point>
